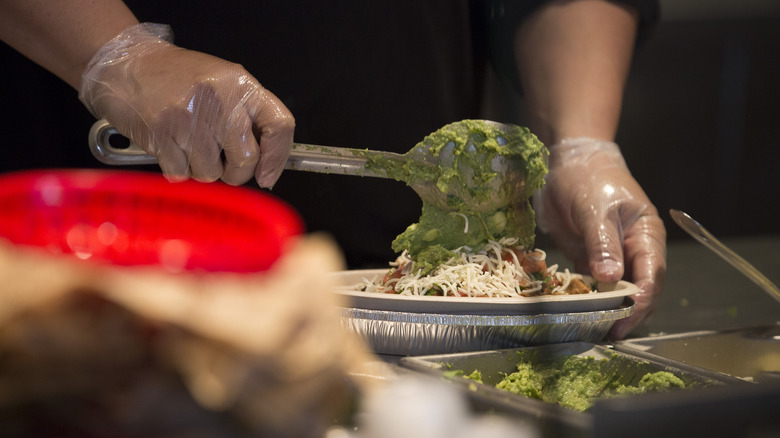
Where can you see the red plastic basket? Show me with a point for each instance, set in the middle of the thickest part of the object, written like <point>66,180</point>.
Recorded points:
<point>136,218</point>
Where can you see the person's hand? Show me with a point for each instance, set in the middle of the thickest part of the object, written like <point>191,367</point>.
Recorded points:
<point>603,221</point>
<point>201,116</point>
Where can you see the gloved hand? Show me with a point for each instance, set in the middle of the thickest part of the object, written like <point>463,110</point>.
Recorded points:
<point>201,116</point>
<point>603,221</point>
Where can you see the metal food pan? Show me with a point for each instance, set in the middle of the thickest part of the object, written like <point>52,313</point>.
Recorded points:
<point>567,422</point>
<point>409,334</point>
<point>750,353</point>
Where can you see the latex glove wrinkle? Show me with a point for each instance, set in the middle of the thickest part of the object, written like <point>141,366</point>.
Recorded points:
<point>201,116</point>
<point>597,213</point>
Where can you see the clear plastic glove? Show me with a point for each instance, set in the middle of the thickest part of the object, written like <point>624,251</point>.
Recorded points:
<point>603,221</point>
<point>201,116</point>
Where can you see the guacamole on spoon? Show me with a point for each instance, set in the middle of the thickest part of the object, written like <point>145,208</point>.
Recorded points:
<point>480,176</point>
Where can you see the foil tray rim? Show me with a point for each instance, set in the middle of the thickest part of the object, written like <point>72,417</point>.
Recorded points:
<point>621,312</point>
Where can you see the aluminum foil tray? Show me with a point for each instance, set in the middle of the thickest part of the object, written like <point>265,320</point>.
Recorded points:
<point>750,353</point>
<point>555,420</point>
<point>406,333</point>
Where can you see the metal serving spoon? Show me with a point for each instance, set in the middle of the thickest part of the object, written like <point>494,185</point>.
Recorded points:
<point>364,162</point>
<point>699,233</point>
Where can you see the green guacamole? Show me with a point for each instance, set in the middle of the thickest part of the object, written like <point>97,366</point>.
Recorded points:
<point>575,382</point>
<point>444,228</point>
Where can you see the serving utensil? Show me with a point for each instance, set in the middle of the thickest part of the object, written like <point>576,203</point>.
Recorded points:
<point>695,229</point>
<point>347,161</point>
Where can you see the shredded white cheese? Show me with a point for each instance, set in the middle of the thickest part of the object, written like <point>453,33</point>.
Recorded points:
<point>482,274</point>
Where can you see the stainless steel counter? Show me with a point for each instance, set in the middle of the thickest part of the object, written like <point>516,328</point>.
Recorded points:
<point>704,292</point>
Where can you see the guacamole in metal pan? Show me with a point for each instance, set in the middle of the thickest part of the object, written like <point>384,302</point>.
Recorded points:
<point>575,382</point>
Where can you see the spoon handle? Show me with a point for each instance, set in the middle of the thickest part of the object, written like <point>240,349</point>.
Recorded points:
<point>342,161</point>
<point>100,144</point>
<point>310,158</point>
<point>701,234</point>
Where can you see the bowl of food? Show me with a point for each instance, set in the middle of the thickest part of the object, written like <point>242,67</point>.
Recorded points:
<point>500,297</point>
<point>467,276</point>
<point>501,279</point>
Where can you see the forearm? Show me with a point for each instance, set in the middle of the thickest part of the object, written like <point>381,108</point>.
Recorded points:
<point>62,36</point>
<point>573,58</point>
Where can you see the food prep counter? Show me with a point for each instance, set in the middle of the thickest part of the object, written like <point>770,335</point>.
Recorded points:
<point>703,292</point>
<point>710,321</point>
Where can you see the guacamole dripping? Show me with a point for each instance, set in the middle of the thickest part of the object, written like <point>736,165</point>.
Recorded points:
<point>473,145</point>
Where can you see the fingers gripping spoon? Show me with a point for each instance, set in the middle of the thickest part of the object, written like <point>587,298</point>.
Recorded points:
<point>469,186</point>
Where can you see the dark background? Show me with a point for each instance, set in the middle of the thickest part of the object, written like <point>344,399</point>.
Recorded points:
<point>699,128</point>
<point>700,119</point>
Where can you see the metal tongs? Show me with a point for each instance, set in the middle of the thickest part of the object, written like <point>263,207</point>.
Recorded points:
<point>699,233</point>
